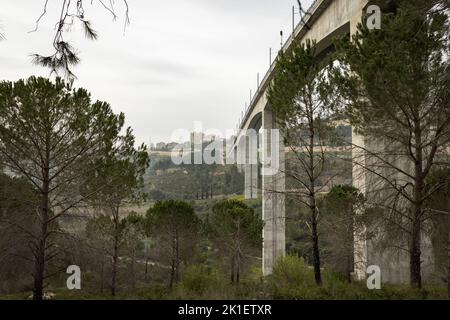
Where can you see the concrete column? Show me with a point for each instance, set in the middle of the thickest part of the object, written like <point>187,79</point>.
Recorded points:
<point>273,193</point>
<point>251,181</point>
<point>251,164</point>
<point>240,155</point>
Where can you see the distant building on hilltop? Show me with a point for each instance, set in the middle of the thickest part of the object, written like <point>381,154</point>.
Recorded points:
<point>161,146</point>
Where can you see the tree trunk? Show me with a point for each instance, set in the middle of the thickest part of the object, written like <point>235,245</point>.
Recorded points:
<point>133,273</point>
<point>313,208</point>
<point>115,252</point>
<point>415,256</point>
<point>349,261</point>
<point>146,269</point>
<point>114,266</point>
<point>173,266</point>
<point>415,249</point>
<point>175,272</point>
<point>349,247</point>
<point>348,272</point>
<point>177,260</point>
<point>238,269</point>
<point>39,262</point>
<point>315,242</point>
<point>448,271</point>
<point>232,270</point>
<point>102,275</point>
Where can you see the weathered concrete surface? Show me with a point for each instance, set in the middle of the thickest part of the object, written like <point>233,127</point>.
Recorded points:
<point>388,248</point>
<point>273,196</point>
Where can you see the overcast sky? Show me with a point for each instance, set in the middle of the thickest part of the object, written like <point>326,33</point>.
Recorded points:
<point>178,62</point>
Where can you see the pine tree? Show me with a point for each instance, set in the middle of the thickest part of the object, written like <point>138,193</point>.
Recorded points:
<point>295,95</point>
<point>54,137</point>
<point>394,84</point>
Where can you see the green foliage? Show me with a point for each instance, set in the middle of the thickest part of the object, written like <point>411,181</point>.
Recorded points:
<point>172,215</point>
<point>340,209</point>
<point>166,180</point>
<point>347,193</point>
<point>293,280</point>
<point>100,228</point>
<point>296,95</point>
<point>289,274</point>
<point>14,192</point>
<point>440,179</point>
<point>439,207</point>
<point>392,84</point>
<point>37,115</point>
<point>120,175</point>
<point>177,229</point>
<point>389,74</point>
<point>157,195</point>
<point>17,221</point>
<point>199,279</point>
<point>57,139</point>
<point>296,72</point>
<point>339,222</point>
<point>104,228</point>
<point>209,283</point>
<point>230,217</point>
<point>236,229</point>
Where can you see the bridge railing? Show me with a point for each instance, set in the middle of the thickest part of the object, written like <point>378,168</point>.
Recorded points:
<point>301,28</point>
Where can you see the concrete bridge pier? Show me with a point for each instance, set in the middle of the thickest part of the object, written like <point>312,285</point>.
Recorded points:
<point>273,192</point>
<point>251,173</point>
<point>272,159</point>
<point>251,181</point>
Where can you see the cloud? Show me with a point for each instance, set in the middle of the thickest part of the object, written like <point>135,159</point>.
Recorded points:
<point>178,62</point>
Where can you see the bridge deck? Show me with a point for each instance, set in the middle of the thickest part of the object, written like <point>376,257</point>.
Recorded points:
<point>302,28</point>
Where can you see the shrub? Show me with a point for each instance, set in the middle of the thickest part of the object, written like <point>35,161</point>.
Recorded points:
<point>291,276</point>
<point>199,279</point>
<point>292,279</point>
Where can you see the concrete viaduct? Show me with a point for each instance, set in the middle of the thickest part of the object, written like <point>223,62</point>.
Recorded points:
<point>325,20</point>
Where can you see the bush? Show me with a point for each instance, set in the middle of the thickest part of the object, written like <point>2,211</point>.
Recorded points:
<point>200,279</point>
<point>292,279</point>
<point>155,292</point>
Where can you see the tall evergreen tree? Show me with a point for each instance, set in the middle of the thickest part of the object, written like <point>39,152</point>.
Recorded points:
<point>235,228</point>
<point>119,179</point>
<point>394,84</point>
<point>295,95</point>
<point>176,227</point>
<point>53,136</point>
